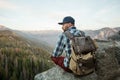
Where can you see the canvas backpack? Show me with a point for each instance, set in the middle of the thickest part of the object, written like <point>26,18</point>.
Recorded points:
<point>82,61</point>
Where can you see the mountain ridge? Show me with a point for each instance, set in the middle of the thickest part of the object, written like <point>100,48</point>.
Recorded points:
<point>103,33</point>
<point>20,58</point>
<point>2,27</point>
<point>51,36</point>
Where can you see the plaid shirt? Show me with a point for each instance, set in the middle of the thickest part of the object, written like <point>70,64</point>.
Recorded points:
<point>63,44</point>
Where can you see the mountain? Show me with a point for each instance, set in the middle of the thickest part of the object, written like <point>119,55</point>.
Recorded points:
<point>115,37</point>
<point>103,33</point>
<point>51,36</point>
<point>48,37</point>
<point>3,28</point>
<point>36,40</point>
<point>117,28</point>
<point>21,58</point>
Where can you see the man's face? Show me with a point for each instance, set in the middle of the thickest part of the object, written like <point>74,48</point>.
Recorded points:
<point>65,26</point>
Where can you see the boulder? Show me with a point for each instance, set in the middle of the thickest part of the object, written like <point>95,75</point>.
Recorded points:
<point>56,73</point>
<point>107,68</point>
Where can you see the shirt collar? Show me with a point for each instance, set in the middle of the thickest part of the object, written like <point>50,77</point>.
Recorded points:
<point>73,27</point>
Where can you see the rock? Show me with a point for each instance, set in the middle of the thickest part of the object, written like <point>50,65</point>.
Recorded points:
<point>56,73</point>
<point>107,68</point>
<point>117,53</point>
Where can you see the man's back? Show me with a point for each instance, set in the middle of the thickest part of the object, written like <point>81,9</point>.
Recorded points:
<point>63,44</point>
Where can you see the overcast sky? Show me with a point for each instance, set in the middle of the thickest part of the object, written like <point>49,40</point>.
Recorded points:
<point>45,14</point>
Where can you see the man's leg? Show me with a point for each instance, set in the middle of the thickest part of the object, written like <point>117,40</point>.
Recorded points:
<point>59,61</point>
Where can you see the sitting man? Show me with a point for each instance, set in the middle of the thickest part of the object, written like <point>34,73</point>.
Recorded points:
<point>63,44</point>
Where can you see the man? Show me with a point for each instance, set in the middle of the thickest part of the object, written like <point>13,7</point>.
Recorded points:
<point>63,43</point>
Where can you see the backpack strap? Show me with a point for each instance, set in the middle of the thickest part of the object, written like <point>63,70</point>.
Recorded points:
<point>69,35</point>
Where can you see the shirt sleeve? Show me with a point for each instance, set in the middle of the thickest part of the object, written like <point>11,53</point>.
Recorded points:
<point>59,47</point>
<point>68,52</point>
<point>68,48</point>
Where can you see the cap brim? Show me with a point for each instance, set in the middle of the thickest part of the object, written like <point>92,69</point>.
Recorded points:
<point>60,23</point>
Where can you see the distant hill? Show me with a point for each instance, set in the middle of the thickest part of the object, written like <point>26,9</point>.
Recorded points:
<point>21,58</point>
<point>35,40</point>
<point>3,28</point>
<point>51,36</point>
<point>115,37</point>
<point>103,33</point>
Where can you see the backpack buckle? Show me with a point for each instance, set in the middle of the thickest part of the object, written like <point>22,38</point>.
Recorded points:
<point>80,64</point>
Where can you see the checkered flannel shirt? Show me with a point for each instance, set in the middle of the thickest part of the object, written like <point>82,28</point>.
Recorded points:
<point>63,44</point>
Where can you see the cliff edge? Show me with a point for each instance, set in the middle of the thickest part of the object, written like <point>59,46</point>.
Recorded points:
<point>107,68</point>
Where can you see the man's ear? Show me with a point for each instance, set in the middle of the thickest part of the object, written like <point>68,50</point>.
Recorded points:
<point>70,24</point>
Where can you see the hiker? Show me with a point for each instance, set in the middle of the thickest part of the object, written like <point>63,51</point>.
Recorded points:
<point>63,44</point>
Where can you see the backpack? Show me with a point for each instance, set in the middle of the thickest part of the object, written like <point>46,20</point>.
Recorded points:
<point>82,61</point>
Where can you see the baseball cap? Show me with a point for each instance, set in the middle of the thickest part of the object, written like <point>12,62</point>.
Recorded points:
<point>67,19</point>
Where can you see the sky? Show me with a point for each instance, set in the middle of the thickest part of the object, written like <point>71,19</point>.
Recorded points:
<point>45,14</point>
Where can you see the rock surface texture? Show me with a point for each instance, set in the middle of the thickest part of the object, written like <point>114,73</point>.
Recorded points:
<point>107,68</point>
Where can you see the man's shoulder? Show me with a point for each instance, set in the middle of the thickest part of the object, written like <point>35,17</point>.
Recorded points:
<point>73,31</point>
<point>77,32</point>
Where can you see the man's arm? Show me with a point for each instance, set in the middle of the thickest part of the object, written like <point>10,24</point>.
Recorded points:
<point>68,52</point>
<point>59,47</point>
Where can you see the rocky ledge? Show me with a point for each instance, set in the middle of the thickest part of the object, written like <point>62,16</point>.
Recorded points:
<point>107,68</point>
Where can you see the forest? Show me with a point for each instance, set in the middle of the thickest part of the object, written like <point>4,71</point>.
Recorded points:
<point>20,59</point>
